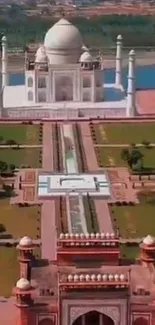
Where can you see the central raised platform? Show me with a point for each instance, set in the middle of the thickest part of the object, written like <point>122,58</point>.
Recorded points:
<point>73,184</point>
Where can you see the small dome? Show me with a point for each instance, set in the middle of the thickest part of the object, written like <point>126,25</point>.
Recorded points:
<point>25,241</point>
<point>63,36</point>
<point>149,240</point>
<point>4,39</point>
<point>84,48</point>
<point>86,57</point>
<point>23,284</point>
<point>41,56</point>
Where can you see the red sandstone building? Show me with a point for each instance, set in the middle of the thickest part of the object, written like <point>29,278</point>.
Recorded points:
<point>87,285</point>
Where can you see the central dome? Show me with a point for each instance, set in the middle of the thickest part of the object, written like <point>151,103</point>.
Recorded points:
<point>64,41</point>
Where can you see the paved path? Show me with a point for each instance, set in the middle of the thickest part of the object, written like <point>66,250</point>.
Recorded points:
<point>103,216</point>
<point>13,241</point>
<point>120,145</point>
<point>48,230</point>
<point>89,147</point>
<point>21,146</point>
<point>47,147</point>
<point>48,224</point>
<point>102,210</point>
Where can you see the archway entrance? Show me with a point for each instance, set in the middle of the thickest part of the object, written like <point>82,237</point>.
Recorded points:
<point>93,318</point>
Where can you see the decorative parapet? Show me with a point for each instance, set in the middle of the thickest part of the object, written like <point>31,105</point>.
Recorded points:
<point>89,240</point>
<point>119,281</point>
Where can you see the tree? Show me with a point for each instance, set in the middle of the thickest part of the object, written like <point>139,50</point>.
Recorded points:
<point>125,154</point>
<point>132,157</point>
<point>10,142</point>
<point>3,166</point>
<point>12,167</point>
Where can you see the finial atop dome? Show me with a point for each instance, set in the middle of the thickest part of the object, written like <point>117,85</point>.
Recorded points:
<point>85,48</point>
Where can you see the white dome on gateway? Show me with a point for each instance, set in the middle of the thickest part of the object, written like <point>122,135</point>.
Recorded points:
<point>63,43</point>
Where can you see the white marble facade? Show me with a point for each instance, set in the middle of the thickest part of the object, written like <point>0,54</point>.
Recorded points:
<point>69,83</point>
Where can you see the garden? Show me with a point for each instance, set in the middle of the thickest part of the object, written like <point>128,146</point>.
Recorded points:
<point>27,134</point>
<point>19,220</point>
<point>122,133</point>
<point>135,221</point>
<point>9,270</point>
<point>139,159</point>
<point>20,158</point>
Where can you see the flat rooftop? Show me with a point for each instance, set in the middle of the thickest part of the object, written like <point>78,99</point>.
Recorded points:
<point>74,184</point>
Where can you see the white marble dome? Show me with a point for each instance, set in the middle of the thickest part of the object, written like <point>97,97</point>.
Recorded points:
<point>23,284</point>
<point>63,43</point>
<point>149,240</point>
<point>25,241</point>
<point>63,35</point>
<point>41,56</point>
<point>86,57</point>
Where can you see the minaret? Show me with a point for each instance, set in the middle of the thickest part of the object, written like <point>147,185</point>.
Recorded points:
<point>4,62</point>
<point>25,248</point>
<point>118,73</point>
<point>130,106</point>
<point>23,294</point>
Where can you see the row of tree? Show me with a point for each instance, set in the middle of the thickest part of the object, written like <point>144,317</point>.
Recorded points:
<point>136,30</point>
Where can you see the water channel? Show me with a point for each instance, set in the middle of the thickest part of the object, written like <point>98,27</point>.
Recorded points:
<point>75,208</point>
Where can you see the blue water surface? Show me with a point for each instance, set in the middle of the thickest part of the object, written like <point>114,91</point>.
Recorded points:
<point>145,77</point>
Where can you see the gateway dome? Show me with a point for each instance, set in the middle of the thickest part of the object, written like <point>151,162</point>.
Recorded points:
<point>63,43</point>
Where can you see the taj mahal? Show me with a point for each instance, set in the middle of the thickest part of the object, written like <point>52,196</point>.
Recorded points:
<point>64,81</point>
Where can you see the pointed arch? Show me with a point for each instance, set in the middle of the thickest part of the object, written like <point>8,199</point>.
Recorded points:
<point>141,321</point>
<point>46,321</point>
<point>30,96</point>
<point>30,82</point>
<point>93,317</point>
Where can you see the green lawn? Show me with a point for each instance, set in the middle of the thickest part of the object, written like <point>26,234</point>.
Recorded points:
<point>22,134</point>
<point>112,157</point>
<point>129,252</point>
<point>124,133</point>
<point>20,157</point>
<point>134,221</point>
<point>20,221</point>
<point>9,273</point>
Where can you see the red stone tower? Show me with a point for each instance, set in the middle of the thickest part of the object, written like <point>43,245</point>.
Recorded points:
<point>148,251</point>
<point>24,301</point>
<point>25,248</point>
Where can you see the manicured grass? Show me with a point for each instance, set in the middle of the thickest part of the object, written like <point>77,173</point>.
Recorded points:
<point>129,252</point>
<point>134,221</point>
<point>9,273</point>
<point>20,157</point>
<point>20,221</point>
<point>22,134</point>
<point>112,156</point>
<point>124,133</point>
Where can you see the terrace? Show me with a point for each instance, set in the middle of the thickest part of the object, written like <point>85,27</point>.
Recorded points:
<point>74,184</point>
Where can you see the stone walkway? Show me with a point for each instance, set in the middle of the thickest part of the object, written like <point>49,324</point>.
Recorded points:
<point>120,145</point>
<point>48,224</point>
<point>102,210</point>
<point>47,153</point>
<point>89,147</point>
<point>48,230</point>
